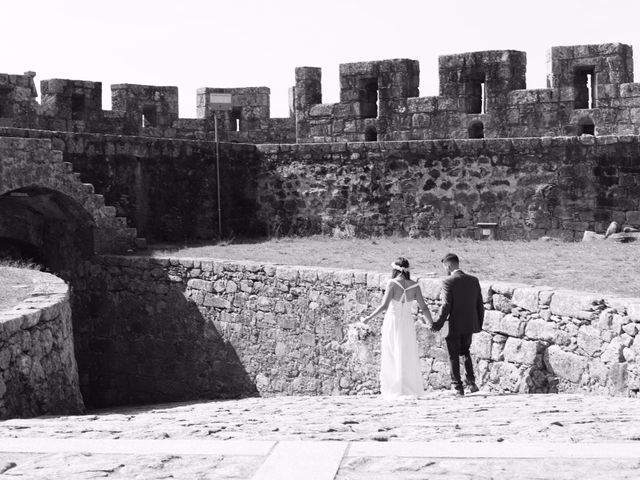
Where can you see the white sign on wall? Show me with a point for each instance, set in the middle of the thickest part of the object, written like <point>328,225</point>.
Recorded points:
<point>220,101</point>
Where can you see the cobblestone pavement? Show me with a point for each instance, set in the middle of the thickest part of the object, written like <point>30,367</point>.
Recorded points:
<point>507,422</point>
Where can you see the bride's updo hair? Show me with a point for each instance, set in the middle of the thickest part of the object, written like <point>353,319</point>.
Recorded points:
<point>400,267</point>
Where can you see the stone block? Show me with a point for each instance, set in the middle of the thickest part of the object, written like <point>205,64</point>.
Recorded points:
<point>497,351</point>
<point>219,286</point>
<point>431,288</point>
<point>308,339</point>
<point>287,273</point>
<point>502,303</point>
<point>576,304</point>
<point>286,322</point>
<point>345,278</point>
<point>613,352</point>
<point>565,365</point>
<point>216,301</point>
<point>199,284</point>
<point>492,319</point>
<point>264,304</point>
<point>538,329</point>
<point>481,345</point>
<point>360,278</point>
<point>633,312</point>
<point>232,287</point>
<point>526,298</point>
<point>626,340</point>
<point>373,280</point>
<point>589,340</point>
<point>617,378</point>
<point>598,371</point>
<point>512,326</point>
<point>309,275</point>
<point>520,351</point>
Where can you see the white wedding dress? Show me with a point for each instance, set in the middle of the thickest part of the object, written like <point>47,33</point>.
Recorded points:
<point>400,374</point>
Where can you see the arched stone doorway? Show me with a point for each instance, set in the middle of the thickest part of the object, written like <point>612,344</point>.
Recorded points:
<point>39,184</point>
<point>47,227</point>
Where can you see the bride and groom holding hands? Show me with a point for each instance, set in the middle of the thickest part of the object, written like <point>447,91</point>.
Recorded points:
<point>462,307</point>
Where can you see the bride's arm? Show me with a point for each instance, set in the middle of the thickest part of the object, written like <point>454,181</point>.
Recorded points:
<point>423,305</point>
<point>383,306</point>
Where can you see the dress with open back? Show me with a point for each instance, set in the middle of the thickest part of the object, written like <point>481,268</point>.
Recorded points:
<point>400,374</point>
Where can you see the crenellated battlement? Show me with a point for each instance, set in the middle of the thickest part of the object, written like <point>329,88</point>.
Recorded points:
<point>590,90</point>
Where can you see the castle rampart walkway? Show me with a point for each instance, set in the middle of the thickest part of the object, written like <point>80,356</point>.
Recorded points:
<point>344,437</point>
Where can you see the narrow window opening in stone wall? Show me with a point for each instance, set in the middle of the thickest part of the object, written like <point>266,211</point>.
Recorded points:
<point>584,83</point>
<point>235,117</point>
<point>4,104</point>
<point>370,134</point>
<point>149,116</point>
<point>476,96</point>
<point>586,127</point>
<point>77,106</point>
<point>476,130</point>
<point>368,90</point>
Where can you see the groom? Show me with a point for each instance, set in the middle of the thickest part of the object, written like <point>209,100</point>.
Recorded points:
<point>463,307</point>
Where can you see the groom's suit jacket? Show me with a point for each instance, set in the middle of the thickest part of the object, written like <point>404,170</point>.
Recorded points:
<point>461,304</point>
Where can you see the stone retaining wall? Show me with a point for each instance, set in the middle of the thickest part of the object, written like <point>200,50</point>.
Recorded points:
<point>187,328</point>
<point>38,373</point>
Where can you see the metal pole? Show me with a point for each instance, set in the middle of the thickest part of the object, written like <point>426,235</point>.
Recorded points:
<point>215,128</point>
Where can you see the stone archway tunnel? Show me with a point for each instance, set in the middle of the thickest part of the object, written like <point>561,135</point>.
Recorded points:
<point>48,214</point>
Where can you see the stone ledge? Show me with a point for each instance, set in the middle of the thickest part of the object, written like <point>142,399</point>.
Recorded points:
<point>38,371</point>
<point>42,305</point>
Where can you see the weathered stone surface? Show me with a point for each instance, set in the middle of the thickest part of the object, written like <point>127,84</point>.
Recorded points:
<point>576,304</point>
<point>540,330</point>
<point>566,365</point>
<point>613,352</point>
<point>481,345</point>
<point>492,320</point>
<point>271,337</point>
<point>589,340</point>
<point>526,298</point>
<point>38,372</point>
<point>520,351</point>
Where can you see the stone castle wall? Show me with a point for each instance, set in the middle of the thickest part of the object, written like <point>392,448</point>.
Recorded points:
<point>590,89</point>
<point>166,188</point>
<point>169,329</point>
<point>529,187</point>
<point>38,372</point>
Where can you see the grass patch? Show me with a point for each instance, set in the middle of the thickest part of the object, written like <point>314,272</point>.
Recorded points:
<point>605,267</point>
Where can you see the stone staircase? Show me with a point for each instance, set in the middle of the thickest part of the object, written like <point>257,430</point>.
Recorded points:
<point>28,162</point>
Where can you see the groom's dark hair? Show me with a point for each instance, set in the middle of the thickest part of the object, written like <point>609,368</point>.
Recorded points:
<point>451,259</point>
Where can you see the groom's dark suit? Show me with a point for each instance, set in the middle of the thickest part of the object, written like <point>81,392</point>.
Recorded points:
<point>463,307</point>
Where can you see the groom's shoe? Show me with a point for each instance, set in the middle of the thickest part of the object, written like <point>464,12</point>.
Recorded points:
<point>458,391</point>
<point>473,388</point>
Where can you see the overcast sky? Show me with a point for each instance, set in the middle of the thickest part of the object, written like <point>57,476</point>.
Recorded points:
<point>242,43</point>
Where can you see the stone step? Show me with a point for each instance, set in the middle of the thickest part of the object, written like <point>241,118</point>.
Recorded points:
<point>109,211</point>
<point>89,188</point>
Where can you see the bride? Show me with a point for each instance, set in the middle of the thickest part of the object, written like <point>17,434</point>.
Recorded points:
<point>400,374</point>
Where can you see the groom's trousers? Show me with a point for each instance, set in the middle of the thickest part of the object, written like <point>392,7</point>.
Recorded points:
<point>457,346</point>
